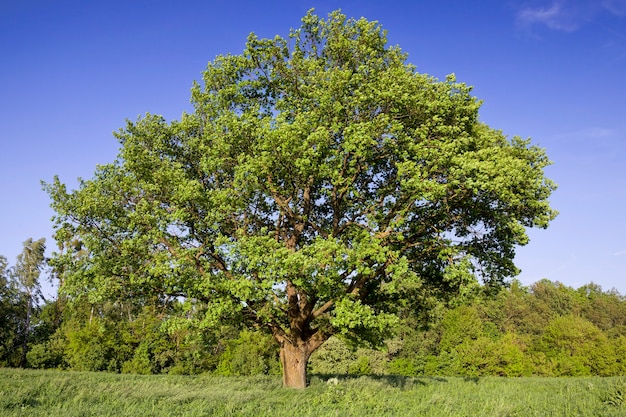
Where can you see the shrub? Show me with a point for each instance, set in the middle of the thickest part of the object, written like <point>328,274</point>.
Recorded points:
<point>252,353</point>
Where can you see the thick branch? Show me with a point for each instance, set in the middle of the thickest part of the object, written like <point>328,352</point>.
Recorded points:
<point>324,308</point>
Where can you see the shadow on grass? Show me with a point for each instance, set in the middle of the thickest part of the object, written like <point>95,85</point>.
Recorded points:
<point>397,381</point>
<point>21,404</point>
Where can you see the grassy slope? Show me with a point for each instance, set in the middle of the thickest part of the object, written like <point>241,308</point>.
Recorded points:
<point>68,394</point>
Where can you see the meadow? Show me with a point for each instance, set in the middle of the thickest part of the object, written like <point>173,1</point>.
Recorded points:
<point>61,393</point>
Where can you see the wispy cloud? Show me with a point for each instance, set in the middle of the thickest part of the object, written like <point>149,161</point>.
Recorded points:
<point>552,16</point>
<point>590,133</point>
<point>567,15</point>
<point>615,7</point>
<point>598,132</point>
<point>620,253</point>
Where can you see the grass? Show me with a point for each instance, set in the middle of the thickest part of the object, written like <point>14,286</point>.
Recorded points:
<point>70,394</point>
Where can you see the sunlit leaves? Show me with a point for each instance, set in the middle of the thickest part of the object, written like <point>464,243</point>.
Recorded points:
<point>320,182</point>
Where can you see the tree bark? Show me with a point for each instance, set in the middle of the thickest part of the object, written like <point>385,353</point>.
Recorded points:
<point>29,308</point>
<point>294,360</point>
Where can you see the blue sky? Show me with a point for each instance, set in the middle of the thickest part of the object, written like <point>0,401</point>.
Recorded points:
<point>71,72</point>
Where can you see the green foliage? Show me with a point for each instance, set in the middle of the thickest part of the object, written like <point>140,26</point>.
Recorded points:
<point>474,339</point>
<point>334,357</point>
<point>458,325</point>
<point>577,347</point>
<point>140,363</point>
<point>48,354</point>
<point>163,347</point>
<point>319,184</point>
<point>251,353</point>
<point>20,293</point>
<point>339,357</point>
<point>484,356</point>
<point>605,309</point>
<point>519,331</point>
<point>10,316</point>
<point>29,265</point>
<point>403,367</point>
<point>94,347</point>
<point>26,272</point>
<point>143,341</point>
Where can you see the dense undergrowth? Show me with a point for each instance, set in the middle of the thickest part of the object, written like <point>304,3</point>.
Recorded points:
<point>546,329</point>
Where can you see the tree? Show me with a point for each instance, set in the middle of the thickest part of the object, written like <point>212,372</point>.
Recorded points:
<point>8,313</point>
<point>27,271</point>
<point>320,183</point>
<point>577,347</point>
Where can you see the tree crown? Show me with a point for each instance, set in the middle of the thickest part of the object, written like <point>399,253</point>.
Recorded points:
<point>320,183</point>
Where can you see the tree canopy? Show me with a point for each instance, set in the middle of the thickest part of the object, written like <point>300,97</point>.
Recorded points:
<point>320,183</point>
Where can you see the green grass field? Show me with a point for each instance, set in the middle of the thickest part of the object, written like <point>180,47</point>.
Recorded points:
<point>68,394</point>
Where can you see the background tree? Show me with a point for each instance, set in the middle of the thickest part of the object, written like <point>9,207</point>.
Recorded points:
<point>320,184</point>
<point>8,314</point>
<point>26,272</point>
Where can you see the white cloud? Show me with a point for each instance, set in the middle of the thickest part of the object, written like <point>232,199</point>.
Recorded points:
<point>567,15</point>
<point>619,253</point>
<point>552,16</point>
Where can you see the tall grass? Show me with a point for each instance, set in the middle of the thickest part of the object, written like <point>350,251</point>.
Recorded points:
<point>69,394</point>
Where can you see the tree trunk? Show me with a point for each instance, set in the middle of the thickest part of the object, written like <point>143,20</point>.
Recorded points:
<point>294,360</point>
<point>26,330</point>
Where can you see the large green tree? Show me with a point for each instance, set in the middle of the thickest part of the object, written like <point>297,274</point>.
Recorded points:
<point>320,183</point>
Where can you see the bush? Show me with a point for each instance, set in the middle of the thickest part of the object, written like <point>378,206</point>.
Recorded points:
<point>140,363</point>
<point>576,347</point>
<point>252,353</point>
<point>403,367</point>
<point>49,354</point>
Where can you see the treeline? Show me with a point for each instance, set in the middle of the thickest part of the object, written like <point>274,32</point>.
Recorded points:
<point>20,294</point>
<point>545,329</point>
